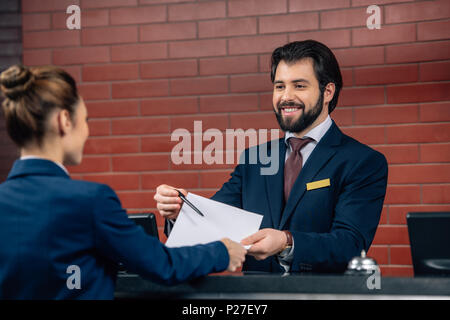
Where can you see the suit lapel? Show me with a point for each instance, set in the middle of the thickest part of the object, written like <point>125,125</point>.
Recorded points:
<point>274,185</point>
<point>322,153</point>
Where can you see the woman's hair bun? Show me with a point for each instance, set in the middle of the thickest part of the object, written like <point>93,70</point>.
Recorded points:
<point>15,81</point>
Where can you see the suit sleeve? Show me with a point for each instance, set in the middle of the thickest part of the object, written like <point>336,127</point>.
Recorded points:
<point>231,191</point>
<point>357,214</point>
<point>119,239</point>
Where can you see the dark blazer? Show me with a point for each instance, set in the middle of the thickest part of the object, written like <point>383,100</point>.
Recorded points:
<point>330,224</point>
<point>49,222</point>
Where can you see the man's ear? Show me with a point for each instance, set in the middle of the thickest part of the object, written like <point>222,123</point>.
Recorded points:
<point>64,122</point>
<point>328,93</point>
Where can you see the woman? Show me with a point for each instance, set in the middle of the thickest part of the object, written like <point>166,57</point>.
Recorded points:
<point>52,227</point>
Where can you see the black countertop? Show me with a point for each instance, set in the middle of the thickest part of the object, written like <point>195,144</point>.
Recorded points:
<point>287,287</point>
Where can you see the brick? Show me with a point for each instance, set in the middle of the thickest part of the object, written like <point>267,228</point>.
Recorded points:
<point>361,96</point>
<point>207,122</point>
<point>427,10</point>
<point>367,135</point>
<point>139,52</point>
<point>197,48</point>
<point>396,154</point>
<point>387,115</point>
<point>343,116</point>
<point>229,103</point>
<point>169,69</point>
<point>111,72</point>
<point>163,1</point>
<point>38,21</point>
<point>137,163</point>
<point>254,120</point>
<point>37,57</point>
<point>396,271</point>
<point>331,38</point>
<point>47,5</point>
<point>250,83</point>
<point>307,5</point>
<point>227,28</point>
<point>74,71</point>
<point>391,235</point>
<point>157,144</point>
<point>197,11</point>
<point>358,3</point>
<point>242,8</point>
<point>424,92</point>
<point>379,253</point>
<point>214,179</point>
<point>185,180</point>
<point>195,86</point>
<point>109,35</point>
<point>111,145</point>
<point>417,52</point>
<point>289,23</point>
<point>139,15</point>
<point>436,30</point>
<point>397,214</point>
<point>359,56</point>
<point>111,109</point>
<point>436,194</point>
<point>149,88</point>
<point>418,133</point>
<point>438,112</point>
<point>343,18</point>
<point>265,62</point>
<point>94,91</point>
<point>401,255</point>
<point>107,3</point>
<point>89,18</point>
<point>386,35</point>
<point>137,199</point>
<point>92,164</point>
<point>428,173</point>
<point>386,75</point>
<point>140,126</point>
<point>168,31</point>
<point>434,71</point>
<point>116,181</point>
<point>99,127</point>
<point>81,55</point>
<point>162,106</point>
<point>51,39</point>
<point>257,44</point>
<point>229,65</point>
<point>402,195</point>
<point>435,152</point>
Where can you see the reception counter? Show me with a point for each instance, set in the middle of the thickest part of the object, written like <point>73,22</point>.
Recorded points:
<point>257,286</point>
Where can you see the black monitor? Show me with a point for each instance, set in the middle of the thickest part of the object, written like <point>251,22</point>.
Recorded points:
<point>147,221</point>
<point>429,236</point>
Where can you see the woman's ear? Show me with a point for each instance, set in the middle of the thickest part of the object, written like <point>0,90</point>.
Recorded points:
<point>64,120</point>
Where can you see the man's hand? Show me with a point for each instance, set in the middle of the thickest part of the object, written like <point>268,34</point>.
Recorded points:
<point>265,243</point>
<point>236,252</point>
<point>168,202</point>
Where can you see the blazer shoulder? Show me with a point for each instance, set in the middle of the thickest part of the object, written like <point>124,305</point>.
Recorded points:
<point>358,150</point>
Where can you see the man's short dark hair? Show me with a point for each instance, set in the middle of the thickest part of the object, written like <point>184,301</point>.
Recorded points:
<point>326,66</point>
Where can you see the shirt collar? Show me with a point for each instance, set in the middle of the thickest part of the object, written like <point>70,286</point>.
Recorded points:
<point>36,157</point>
<point>315,133</point>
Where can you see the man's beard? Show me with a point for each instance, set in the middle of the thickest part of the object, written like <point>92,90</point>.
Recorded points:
<point>304,121</point>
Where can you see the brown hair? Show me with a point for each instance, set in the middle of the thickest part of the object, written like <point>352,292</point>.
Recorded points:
<point>31,94</point>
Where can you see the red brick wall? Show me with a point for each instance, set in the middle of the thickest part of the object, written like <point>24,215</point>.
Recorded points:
<point>148,67</point>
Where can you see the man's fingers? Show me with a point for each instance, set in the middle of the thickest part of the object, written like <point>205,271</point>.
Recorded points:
<point>167,191</point>
<point>168,207</point>
<point>167,200</point>
<point>253,238</point>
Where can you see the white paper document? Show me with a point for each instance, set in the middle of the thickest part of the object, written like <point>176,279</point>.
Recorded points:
<point>220,221</point>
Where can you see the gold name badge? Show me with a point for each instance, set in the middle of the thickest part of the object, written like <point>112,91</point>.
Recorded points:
<point>318,184</point>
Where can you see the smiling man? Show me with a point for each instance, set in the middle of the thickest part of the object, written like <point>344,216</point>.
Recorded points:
<point>323,205</point>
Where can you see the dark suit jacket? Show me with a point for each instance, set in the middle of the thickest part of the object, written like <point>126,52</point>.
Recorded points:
<point>49,222</point>
<point>330,225</point>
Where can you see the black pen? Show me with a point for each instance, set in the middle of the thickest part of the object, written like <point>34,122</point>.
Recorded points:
<point>188,203</point>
